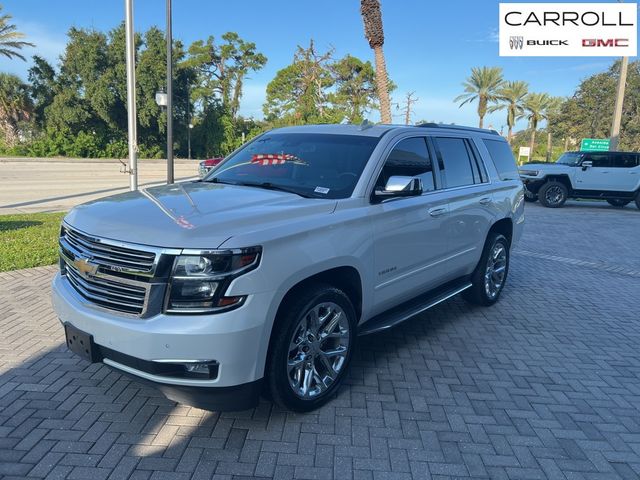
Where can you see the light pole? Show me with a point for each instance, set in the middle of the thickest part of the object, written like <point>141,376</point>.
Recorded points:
<point>131,96</point>
<point>617,112</point>
<point>189,139</point>
<point>169,98</point>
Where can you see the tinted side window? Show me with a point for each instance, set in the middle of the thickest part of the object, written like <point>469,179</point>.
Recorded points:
<point>454,162</point>
<point>502,157</point>
<point>409,158</point>
<point>625,160</point>
<point>598,159</point>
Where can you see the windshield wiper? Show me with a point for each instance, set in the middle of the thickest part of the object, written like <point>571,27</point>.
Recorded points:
<point>271,186</point>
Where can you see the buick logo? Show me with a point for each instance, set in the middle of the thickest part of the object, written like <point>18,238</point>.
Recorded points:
<point>516,43</point>
<point>85,267</point>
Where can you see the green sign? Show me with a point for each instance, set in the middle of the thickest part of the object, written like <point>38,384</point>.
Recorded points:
<point>595,145</point>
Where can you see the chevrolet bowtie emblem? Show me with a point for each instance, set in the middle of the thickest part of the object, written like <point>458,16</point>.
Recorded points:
<point>85,267</point>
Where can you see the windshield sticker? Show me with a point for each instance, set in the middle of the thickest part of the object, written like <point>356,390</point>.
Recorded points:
<point>323,190</point>
<point>275,159</point>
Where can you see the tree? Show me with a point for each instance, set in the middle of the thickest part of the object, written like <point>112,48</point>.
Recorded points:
<point>355,85</point>
<point>10,38</point>
<point>299,92</point>
<point>15,107</point>
<point>42,84</point>
<point>511,95</point>
<point>535,105</point>
<point>483,86</point>
<point>220,70</point>
<point>373,31</point>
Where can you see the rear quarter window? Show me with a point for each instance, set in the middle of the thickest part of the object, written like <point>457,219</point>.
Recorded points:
<point>502,157</point>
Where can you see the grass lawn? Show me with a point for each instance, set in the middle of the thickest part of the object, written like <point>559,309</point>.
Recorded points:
<point>29,240</point>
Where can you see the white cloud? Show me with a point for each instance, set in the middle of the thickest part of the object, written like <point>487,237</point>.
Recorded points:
<point>49,45</point>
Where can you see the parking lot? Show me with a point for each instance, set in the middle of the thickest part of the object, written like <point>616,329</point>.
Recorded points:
<point>545,384</point>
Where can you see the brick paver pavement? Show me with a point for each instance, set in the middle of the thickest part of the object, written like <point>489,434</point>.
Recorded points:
<point>545,384</point>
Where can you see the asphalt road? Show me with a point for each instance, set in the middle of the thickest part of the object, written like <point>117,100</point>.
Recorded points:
<point>51,186</point>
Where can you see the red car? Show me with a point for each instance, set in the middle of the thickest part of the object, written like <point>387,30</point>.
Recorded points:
<point>206,165</point>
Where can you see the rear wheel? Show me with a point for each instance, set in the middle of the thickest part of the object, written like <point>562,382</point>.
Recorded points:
<point>313,341</point>
<point>638,200</point>
<point>553,194</point>
<point>615,202</point>
<point>490,275</point>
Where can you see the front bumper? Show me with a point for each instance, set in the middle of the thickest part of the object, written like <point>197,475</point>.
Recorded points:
<point>532,184</point>
<point>234,340</point>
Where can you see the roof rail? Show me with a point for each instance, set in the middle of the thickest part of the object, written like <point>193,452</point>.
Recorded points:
<point>457,127</point>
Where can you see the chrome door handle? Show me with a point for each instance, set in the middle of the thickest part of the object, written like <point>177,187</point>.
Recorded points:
<point>436,212</point>
<point>485,201</point>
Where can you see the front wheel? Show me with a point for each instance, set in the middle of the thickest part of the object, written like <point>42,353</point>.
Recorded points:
<point>490,275</point>
<point>313,341</point>
<point>638,200</point>
<point>530,197</point>
<point>616,202</point>
<point>553,194</point>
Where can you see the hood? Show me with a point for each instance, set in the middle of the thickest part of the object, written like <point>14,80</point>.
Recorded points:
<point>543,166</point>
<point>191,215</point>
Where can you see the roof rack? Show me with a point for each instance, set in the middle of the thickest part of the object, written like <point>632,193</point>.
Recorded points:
<point>456,127</point>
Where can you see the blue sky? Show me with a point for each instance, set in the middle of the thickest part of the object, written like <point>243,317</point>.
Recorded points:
<point>430,45</point>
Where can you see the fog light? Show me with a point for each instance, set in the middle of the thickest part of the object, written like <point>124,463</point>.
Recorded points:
<point>201,370</point>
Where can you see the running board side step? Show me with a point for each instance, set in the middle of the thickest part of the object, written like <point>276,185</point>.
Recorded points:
<point>413,307</point>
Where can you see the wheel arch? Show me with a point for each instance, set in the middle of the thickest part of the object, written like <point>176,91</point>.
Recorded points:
<point>344,277</point>
<point>561,178</point>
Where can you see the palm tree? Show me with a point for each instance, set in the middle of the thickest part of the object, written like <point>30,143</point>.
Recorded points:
<point>10,41</point>
<point>482,85</point>
<point>372,18</point>
<point>15,107</point>
<point>536,105</point>
<point>512,95</point>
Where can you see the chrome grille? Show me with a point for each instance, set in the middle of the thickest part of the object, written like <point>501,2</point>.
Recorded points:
<point>108,274</point>
<point>108,294</point>
<point>108,255</point>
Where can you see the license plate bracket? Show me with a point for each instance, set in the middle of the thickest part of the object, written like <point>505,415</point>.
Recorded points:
<point>80,343</point>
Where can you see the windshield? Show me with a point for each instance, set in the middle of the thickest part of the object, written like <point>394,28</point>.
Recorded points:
<point>570,158</point>
<point>308,164</point>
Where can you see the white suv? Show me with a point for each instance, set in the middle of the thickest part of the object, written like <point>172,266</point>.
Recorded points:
<point>260,276</point>
<point>610,176</point>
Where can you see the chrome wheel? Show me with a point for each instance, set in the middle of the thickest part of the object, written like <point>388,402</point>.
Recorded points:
<point>554,195</point>
<point>318,350</point>
<point>496,270</point>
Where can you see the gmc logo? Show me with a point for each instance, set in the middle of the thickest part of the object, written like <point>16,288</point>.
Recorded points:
<point>601,42</point>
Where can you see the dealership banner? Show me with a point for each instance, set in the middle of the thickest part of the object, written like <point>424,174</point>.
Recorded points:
<point>568,29</point>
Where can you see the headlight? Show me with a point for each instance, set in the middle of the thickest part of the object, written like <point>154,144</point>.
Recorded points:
<point>529,173</point>
<point>199,280</point>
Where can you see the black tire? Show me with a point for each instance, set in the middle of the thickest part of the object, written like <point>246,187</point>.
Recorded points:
<point>553,194</point>
<point>530,197</point>
<point>479,293</point>
<point>616,202</point>
<point>638,200</point>
<point>288,324</point>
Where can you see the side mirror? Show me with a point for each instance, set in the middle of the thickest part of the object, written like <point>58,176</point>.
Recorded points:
<point>399,186</point>
<point>586,164</point>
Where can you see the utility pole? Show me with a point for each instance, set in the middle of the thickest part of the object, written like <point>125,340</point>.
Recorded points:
<point>131,96</point>
<point>617,112</point>
<point>169,97</point>
<point>407,108</point>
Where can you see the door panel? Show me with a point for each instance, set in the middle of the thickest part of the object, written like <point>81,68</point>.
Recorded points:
<point>626,172</point>
<point>600,176</point>
<point>471,214</point>
<point>410,247</point>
